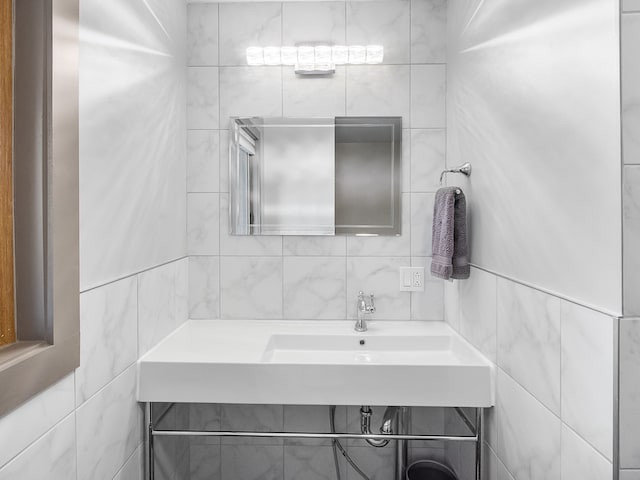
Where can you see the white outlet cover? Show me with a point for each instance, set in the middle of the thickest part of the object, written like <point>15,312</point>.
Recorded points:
<point>412,279</point>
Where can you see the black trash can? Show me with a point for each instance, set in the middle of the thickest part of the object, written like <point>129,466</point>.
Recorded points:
<point>429,470</point>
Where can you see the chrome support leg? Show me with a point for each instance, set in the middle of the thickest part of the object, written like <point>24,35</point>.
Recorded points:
<point>479,441</point>
<point>403,421</point>
<point>148,442</point>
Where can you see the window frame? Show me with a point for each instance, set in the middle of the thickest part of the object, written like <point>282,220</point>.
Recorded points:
<point>38,360</point>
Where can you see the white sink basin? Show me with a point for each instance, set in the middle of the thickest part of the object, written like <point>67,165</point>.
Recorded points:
<point>302,362</point>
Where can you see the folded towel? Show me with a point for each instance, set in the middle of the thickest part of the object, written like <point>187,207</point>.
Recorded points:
<point>449,235</point>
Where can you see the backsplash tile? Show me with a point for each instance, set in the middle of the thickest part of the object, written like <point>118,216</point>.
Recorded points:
<point>580,460</point>
<point>630,30</point>
<point>250,91</point>
<point>428,150</point>
<point>587,401</point>
<point>529,328</point>
<point>204,287</point>
<point>251,287</point>
<point>629,393</point>
<point>313,97</point>
<point>529,439</point>
<point>109,335</point>
<point>52,457</point>
<point>314,288</point>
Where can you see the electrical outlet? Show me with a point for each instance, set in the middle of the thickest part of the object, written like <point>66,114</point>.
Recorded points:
<point>412,279</point>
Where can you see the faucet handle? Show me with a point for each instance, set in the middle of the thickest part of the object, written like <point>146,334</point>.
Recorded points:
<point>372,306</point>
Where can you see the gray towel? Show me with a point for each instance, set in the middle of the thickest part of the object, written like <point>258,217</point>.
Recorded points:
<point>449,235</point>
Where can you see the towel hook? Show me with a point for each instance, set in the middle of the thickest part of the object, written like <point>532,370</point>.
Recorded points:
<point>464,169</point>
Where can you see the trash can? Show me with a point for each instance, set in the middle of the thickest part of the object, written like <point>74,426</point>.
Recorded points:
<point>429,470</point>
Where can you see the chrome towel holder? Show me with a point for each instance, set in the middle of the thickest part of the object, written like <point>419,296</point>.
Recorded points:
<point>464,169</point>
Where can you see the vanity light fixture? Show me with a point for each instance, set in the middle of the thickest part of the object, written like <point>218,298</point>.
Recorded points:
<point>315,59</point>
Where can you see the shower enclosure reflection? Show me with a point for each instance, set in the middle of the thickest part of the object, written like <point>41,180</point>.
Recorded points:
<point>315,176</point>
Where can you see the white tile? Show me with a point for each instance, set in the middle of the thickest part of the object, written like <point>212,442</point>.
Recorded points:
<point>202,98</point>
<point>204,287</point>
<point>421,224</point>
<point>205,462</point>
<point>629,475</point>
<point>587,375</point>
<point>132,135</point>
<point>378,463</point>
<point>629,393</point>
<point>259,418</point>
<point>379,90</point>
<point>311,463</point>
<point>451,301</point>
<point>428,148</point>
<point>252,462</point>
<point>134,468</point>
<point>529,340</point>
<point>202,34</point>
<point>631,5</point>
<point>379,276</point>
<point>406,160</point>
<point>245,25</point>
<point>320,245</point>
<point>163,302</point>
<point>314,287</point>
<point>428,31</point>
<point>478,311</point>
<point>312,22</point>
<point>108,335</point>
<point>203,224</point>
<point>385,245</point>
<point>244,244</point>
<point>631,230</point>
<point>428,86</point>
<point>52,456</point>
<point>528,434</point>
<point>203,161</point>
<point>383,23</point>
<point>204,416</point>
<point>108,428</point>
<point>312,418</point>
<point>313,96</point>
<point>427,305</point>
<point>580,460</point>
<point>251,287</point>
<point>630,88</point>
<point>224,159</point>
<point>21,427</point>
<point>250,91</point>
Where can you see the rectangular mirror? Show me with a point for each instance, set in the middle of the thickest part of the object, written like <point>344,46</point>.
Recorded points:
<point>315,176</point>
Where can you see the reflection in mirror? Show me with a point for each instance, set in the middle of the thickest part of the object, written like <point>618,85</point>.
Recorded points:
<point>320,176</point>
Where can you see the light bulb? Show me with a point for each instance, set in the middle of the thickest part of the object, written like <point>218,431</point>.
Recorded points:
<point>306,55</point>
<point>340,54</point>
<point>375,54</point>
<point>289,55</point>
<point>272,56</point>
<point>357,54</point>
<point>255,56</point>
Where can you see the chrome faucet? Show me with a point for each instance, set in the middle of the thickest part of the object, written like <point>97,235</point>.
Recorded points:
<point>363,308</point>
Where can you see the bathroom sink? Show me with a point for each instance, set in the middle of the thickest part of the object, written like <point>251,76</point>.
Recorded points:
<point>316,363</point>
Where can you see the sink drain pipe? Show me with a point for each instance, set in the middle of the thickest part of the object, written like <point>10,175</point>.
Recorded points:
<point>395,421</point>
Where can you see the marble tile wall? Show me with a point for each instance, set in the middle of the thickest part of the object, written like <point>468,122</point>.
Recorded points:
<point>134,270</point>
<point>297,277</point>
<point>305,277</point>
<point>555,368</point>
<point>629,389</point>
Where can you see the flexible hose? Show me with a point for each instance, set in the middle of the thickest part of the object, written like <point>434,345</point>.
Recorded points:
<point>337,445</point>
